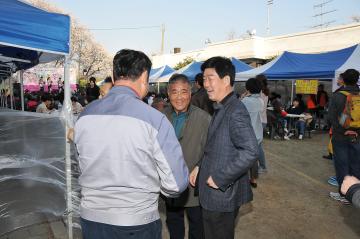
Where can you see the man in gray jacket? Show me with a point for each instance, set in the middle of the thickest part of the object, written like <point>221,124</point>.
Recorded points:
<point>231,149</point>
<point>128,154</point>
<point>191,125</point>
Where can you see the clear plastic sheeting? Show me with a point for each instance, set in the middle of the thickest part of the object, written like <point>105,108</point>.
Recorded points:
<point>32,170</point>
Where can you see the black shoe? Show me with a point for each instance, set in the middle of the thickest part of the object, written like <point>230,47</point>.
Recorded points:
<point>254,185</point>
<point>329,157</point>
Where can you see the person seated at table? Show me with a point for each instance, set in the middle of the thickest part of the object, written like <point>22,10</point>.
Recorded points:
<point>76,106</point>
<point>276,116</point>
<point>300,122</point>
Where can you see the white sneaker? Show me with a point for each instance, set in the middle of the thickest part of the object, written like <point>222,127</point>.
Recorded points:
<point>290,134</point>
<point>262,170</point>
<point>300,136</point>
<point>286,137</point>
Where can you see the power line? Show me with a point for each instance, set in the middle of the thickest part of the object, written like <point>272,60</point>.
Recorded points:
<point>124,28</point>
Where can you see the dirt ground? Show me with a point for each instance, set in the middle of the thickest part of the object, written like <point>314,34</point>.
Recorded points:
<point>292,199</point>
<point>290,202</point>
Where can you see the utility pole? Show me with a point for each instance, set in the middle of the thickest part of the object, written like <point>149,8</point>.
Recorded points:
<point>269,3</point>
<point>162,39</point>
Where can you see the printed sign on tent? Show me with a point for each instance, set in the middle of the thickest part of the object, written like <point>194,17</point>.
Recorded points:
<point>306,86</point>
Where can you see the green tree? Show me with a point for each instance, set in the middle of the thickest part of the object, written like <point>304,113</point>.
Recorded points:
<point>184,62</point>
<point>270,58</point>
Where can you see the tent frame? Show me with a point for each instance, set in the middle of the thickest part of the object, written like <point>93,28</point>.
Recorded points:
<point>66,116</point>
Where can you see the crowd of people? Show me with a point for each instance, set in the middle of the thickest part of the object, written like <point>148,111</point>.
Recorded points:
<point>48,100</point>
<point>201,152</point>
<point>199,163</point>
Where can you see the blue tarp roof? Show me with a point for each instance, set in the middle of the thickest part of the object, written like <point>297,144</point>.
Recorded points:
<point>195,68</point>
<point>239,65</point>
<point>292,65</point>
<point>30,33</point>
<point>295,65</point>
<point>192,70</point>
<point>156,73</point>
<point>165,70</point>
<point>153,71</point>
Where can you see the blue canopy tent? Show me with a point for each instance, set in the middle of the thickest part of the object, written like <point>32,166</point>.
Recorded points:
<point>239,65</point>
<point>153,71</point>
<point>290,65</point>
<point>160,72</point>
<point>194,68</point>
<point>191,70</point>
<point>29,36</point>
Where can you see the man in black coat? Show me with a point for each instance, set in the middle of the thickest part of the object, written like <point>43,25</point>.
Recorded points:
<point>231,149</point>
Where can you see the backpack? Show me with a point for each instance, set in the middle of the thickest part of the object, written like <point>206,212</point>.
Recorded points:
<point>350,117</point>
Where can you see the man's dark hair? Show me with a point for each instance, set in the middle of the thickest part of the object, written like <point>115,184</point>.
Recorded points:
<point>350,77</point>
<point>274,95</point>
<point>46,97</point>
<point>108,80</point>
<point>130,64</point>
<point>200,79</point>
<point>179,77</point>
<point>263,79</point>
<point>222,65</point>
<point>253,86</point>
<point>297,100</point>
<point>93,79</point>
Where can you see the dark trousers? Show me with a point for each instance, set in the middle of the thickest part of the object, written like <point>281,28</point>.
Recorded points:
<point>176,225</point>
<point>346,159</point>
<point>219,225</point>
<point>96,230</point>
<point>254,170</point>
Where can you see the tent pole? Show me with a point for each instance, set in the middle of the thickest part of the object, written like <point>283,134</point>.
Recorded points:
<point>11,94</point>
<point>22,89</point>
<point>67,111</point>
<point>292,90</point>
<point>158,87</point>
